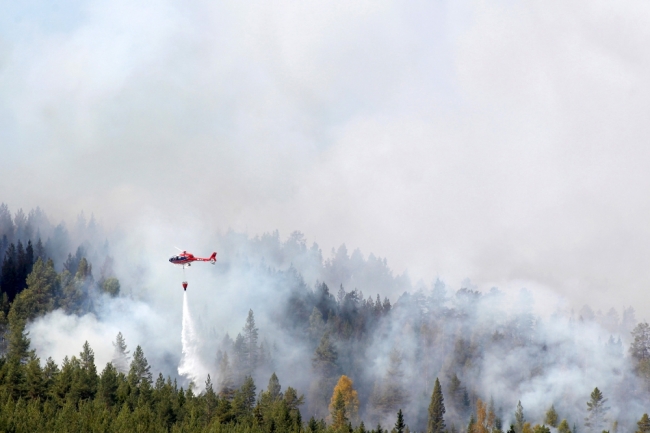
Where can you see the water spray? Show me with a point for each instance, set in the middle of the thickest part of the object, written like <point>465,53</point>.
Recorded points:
<point>190,366</point>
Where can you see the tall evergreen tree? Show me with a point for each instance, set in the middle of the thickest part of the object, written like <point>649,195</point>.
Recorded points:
<point>40,295</point>
<point>18,349</point>
<point>77,297</point>
<point>139,372</point>
<point>481,425</point>
<point>520,420</point>
<point>436,422</point>
<point>226,383</point>
<point>564,427</point>
<point>393,393</point>
<point>88,377</point>
<point>644,424</point>
<point>551,417</point>
<point>240,360</point>
<point>120,354</point>
<point>350,398</point>
<point>640,347</point>
<point>274,388</point>
<point>108,384</point>
<point>399,424</point>
<point>324,364</point>
<point>34,378</point>
<point>10,276</point>
<point>251,349</point>
<point>6,222</point>
<point>244,399</point>
<point>39,251</point>
<point>596,411</point>
<point>338,413</point>
<point>325,357</point>
<point>316,325</point>
<point>211,399</point>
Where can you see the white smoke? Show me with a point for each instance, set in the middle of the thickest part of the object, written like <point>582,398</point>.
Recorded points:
<point>191,365</point>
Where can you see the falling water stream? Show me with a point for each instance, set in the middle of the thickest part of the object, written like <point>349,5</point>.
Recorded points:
<point>190,366</point>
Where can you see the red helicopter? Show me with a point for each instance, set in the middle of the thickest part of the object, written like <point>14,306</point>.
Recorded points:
<point>186,258</point>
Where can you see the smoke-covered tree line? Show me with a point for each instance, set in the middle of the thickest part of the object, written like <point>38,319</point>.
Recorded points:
<point>482,346</point>
<point>30,283</point>
<point>496,363</point>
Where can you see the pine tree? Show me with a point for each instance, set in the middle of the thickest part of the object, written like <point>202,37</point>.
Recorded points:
<point>244,399</point>
<point>378,308</point>
<point>640,347</point>
<point>251,349</point>
<point>274,388</point>
<point>458,396</point>
<point>211,399</point>
<point>316,324</point>
<point>35,380</point>
<point>88,377</point>
<point>120,354</point>
<point>325,357</point>
<point>393,393</point>
<point>239,359</point>
<point>18,350</point>
<point>481,425</point>
<point>139,372</point>
<point>312,425</point>
<point>324,364</point>
<point>338,413</point>
<point>492,420</point>
<point>361,428</point>
<point>111,286</point>
<point>29,259</point>
<point>644,424</point>
<point>350,398</point>
<point>399,424</point>
<point>76,297</point>
<point>9,277</point>
<point>226,384</point>
<point>39,296</point>
<point>520,420</point>
<point>564,427</point>
<point>386,306</point>
<point>471,424</point>
<point>6,222</point>
<point>108,384</point>
<point>436,422</point>
<point>551,417</point>
<point>292,400</point>
<point>39,251</point>
<point>595,420</point>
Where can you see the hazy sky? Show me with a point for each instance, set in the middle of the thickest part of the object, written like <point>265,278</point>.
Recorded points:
<point>503,141</point>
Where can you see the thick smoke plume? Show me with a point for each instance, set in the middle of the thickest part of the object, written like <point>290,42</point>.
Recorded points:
<point>278,305</point>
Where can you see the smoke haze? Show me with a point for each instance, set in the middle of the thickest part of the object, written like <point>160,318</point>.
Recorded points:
<point>487,140</point>
<point>481,143</point>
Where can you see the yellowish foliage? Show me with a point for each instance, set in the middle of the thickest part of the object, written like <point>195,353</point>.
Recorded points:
<point>481,418</point>
<point>350,397</point>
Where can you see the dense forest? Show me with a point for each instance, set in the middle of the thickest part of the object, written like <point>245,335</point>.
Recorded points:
<point>435,359</point>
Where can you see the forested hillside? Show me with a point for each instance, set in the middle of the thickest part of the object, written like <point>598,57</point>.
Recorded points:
<point>319,350</point>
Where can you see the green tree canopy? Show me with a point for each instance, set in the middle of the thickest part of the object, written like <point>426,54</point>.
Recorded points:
<point>436,423</point>
<point>596,412</point>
